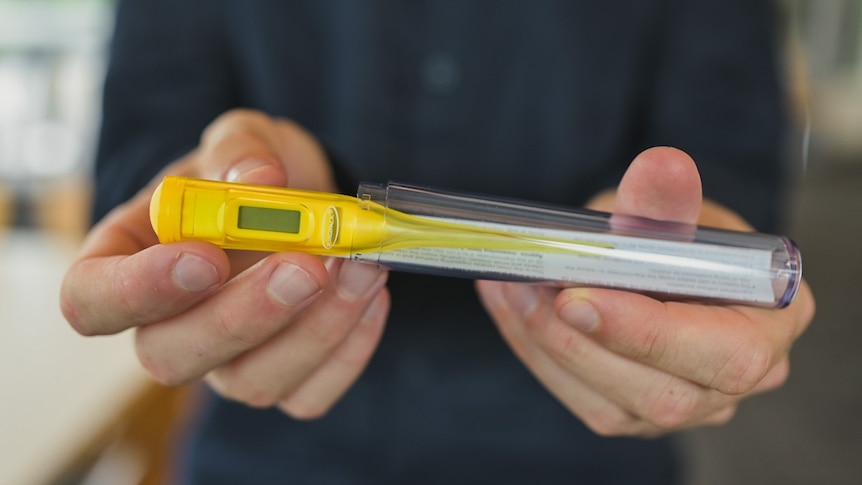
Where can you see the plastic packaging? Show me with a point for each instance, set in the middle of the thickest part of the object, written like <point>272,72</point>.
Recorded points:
<point>432,231</point>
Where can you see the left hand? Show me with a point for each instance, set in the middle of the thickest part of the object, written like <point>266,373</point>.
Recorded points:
<point>287,330</point>
<point>628,364</point>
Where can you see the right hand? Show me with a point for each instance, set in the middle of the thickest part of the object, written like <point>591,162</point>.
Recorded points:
<point>290,330</point>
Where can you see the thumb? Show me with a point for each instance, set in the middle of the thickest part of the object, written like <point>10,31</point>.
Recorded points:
<point>661,183</point>
<point>252,147</point>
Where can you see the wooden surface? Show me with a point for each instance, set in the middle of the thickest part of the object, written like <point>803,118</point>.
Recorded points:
<point>67,401</point>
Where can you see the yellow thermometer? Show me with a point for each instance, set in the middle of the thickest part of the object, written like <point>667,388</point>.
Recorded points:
<point>263,218</point>
<point>431,231</point>
<point>239,216</point>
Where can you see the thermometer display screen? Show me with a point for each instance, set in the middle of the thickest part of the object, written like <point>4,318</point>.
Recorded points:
<point>269,219</point>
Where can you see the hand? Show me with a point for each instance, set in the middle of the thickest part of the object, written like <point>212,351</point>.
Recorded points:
<point>289,330</point>
<point>627,364</point>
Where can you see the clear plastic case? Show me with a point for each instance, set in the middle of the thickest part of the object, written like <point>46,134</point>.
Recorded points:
<point>521,241</point>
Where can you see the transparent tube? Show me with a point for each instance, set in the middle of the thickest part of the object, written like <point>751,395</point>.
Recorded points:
<point>455,234</point>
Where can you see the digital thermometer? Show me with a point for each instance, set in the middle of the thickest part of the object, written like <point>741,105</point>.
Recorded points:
<point>432,231</point>
<point>237,216</point>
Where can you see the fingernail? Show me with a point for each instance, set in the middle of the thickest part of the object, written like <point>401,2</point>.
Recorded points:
<point>523,297</point>
<point>580,314</point>
<point>356,279</point>
<point>194,273</point>
<point>291,285</point>
<point>247,170</point>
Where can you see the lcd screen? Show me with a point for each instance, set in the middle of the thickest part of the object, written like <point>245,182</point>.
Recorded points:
<point>269,219</point>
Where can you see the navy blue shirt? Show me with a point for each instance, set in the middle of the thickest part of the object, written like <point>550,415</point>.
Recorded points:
<point>541,99</point>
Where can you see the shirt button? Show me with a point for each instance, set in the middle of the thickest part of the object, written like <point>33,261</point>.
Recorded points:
<point>440,73</point>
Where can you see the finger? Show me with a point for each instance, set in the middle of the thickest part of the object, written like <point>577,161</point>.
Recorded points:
<point>250,147</point>
<point>124,231</point>
<point>248,310</point>
<point>661,183</point>
<point>726,348</point>
<point>775,378</point>
<point>266,374</point>
<point>718,418</point>
<point>121,280</point>
<point>611,395</point>
<point>597,412</point>
<point>109,294</point>
<point>665,400</point>
<point>239,147</point>
<point>326,385</point>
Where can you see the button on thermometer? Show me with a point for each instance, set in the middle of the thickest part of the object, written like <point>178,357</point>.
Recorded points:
<point>449,233</point>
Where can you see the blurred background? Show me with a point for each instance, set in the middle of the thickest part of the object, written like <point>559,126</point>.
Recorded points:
<point>80,411</point>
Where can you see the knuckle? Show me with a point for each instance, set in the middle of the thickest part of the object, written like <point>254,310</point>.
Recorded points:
<point>164,375</point>
<point>72,313</point>
<point>239,330</point>
<point>776,377</point>
<point>248,392</point>
<point>744,369</point>
<point>160,371</point>
<point>76,308</point>
<point>131,297</point>
<point>163,370</point>
<point>649,344</point>
<point>567,344</point>
<point>239,381</point>
<point>721,417</point>
<point>673,408</point>
<point>328,335</point>
<point>609,423</point>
